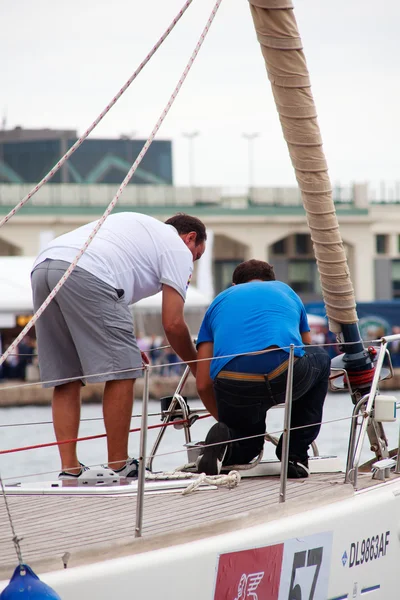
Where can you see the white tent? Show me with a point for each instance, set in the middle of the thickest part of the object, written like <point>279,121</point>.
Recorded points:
<point>194,299</point>
<point>16,295</point>
<point>15,288</point>
<point>15,285</point>
<point>316,320</point>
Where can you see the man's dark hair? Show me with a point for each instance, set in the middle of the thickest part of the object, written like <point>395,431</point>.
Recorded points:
<point>253,269</point>
<point>186,223</point>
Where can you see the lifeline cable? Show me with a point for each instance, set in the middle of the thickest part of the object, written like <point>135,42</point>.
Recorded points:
<point>79,142</point>
<point>170,453</point>
<point>68,379</point>
<point>16,540</point>
<point>114,201</point>
<point>96,437</point>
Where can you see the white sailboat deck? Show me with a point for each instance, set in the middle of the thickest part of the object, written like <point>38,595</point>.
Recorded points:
<point>102,526</point>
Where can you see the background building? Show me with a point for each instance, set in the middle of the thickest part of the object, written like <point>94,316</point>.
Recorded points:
<point>255,222</point>
<point>27,155</point>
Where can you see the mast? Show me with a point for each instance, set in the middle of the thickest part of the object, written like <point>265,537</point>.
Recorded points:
<point>286,66</point>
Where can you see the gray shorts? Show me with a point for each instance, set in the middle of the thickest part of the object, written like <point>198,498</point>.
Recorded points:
<point>87,329</point>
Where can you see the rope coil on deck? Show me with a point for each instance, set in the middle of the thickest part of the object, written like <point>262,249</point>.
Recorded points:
<point>231,480</point>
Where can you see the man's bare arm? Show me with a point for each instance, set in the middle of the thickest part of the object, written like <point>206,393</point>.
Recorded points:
<point>306,337</point>
<point>175,327</point>
<point>204,382</point>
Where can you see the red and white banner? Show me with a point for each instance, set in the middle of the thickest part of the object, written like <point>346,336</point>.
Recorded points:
<point>296,569</point>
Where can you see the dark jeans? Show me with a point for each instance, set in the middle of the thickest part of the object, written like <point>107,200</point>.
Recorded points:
<point>242,406</point>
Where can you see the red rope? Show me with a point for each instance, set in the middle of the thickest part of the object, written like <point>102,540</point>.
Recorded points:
<point>95,437</point>
<point>361,378</point>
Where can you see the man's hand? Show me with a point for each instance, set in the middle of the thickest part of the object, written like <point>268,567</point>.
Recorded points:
<point>145,358</point>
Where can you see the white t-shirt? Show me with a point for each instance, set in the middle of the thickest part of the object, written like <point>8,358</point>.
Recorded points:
<point>131,251</point>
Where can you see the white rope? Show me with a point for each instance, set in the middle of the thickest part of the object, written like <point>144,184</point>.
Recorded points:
<point>248,466</point>
<point>230,481</point>
<point>120,189</point>
<point>79,142</point>
<point>162,475</point>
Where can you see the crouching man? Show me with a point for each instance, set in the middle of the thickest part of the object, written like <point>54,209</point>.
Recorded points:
<point>258,314</point>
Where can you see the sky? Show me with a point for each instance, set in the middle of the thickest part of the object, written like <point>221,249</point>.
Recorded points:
<point>62,62</point>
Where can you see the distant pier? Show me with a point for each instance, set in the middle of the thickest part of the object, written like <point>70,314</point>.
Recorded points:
<point>19,393</point>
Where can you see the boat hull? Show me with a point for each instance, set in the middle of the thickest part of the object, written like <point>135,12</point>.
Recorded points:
<point>344,548</point>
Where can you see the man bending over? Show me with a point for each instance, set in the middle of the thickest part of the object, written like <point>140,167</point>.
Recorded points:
<point>86,332</point>
<point>258,314</point>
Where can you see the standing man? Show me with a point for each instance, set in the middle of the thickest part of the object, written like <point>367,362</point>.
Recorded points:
<point>258,314</point>
<point>87,329</point>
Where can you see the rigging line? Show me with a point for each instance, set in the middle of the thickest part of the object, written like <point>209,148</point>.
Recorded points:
<point>79,142</point>
<point>96,437</point>
<point>250,437</point>
<point>78,377</point>
<point>16,540</point>
<point>159,366</point>
<point>149,350</point>
<point>159,414</point>
<point>68,379</point>
<point>120,189</point>
<point>170,453</point>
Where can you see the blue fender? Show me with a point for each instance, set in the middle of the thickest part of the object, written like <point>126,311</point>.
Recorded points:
<point>26,584</point>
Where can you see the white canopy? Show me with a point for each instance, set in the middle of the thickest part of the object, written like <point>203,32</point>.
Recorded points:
<point>194,299</point>
<point>316,320</point>
<point>15,284</point>
<point>16,295</point>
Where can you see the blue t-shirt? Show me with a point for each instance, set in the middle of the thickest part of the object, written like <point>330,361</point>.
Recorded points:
<point>253,316</point>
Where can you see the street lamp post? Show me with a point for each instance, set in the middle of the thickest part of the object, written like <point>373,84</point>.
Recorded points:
<point>190,136</point>
<point>250,137</point>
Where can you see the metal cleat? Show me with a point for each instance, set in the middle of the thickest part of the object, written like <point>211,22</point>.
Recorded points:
<point>381,468</point>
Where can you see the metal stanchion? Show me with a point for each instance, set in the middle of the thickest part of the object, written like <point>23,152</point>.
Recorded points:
<point>142,454</point>
<point>286,426</point>
<point>397,469</point>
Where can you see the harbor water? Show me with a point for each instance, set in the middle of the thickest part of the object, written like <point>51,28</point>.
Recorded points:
<point>31,425</point>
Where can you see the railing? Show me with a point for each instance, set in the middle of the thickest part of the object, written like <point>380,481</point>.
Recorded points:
<point>364,407</point>
<point>178,409</point>
<point>86,195</point>
<point>177,400</point>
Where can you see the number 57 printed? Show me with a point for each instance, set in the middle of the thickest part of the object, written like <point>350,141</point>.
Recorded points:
<point>305,568</point>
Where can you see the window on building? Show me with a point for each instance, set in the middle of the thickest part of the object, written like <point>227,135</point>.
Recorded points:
<point>302,243</point>
<point>223,271</point>
<point>279,248</point>
<point>303,276</point>
<point>381,243</point>
<point>396,278</point>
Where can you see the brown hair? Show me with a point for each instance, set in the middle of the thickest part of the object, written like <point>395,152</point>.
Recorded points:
<point>186,223</point>
<point>253,269</point>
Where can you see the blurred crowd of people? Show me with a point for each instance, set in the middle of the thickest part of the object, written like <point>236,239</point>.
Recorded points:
<point>162,357</point>
<point>16,364</point>
<point>164,360</point>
